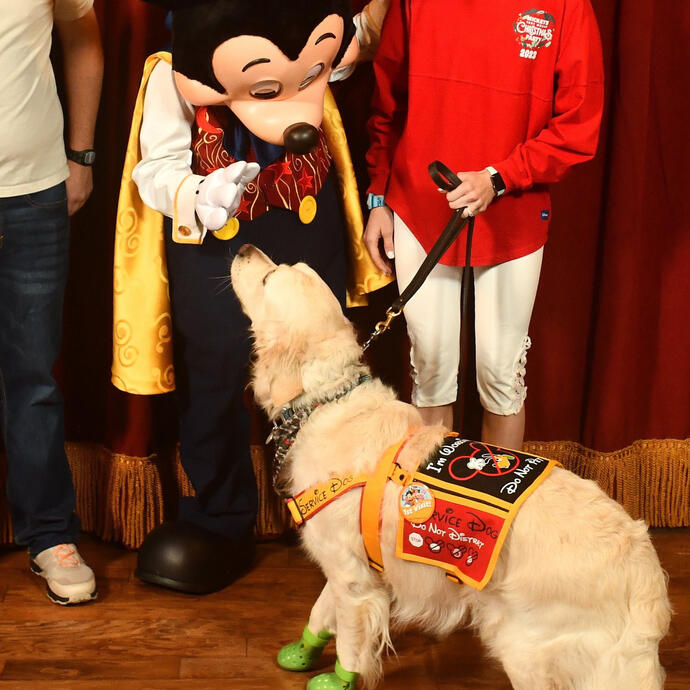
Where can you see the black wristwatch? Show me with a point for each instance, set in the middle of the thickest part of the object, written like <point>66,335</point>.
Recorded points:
<point>87,157</point>
<point>497,181</point>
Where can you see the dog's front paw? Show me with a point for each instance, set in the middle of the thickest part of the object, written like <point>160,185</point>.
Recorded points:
<point>329,681</point>
<point>304,654</point>
<point>339,680</point>
<point>299,657</point>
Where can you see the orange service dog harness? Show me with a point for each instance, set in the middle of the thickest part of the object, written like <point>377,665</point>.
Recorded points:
<point>456,509</point>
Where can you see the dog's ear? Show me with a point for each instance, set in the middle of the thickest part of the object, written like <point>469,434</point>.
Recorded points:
<point>280,361</point>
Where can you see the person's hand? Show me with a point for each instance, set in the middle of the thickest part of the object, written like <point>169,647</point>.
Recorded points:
<point>79,185</point>
<point>380,228</point>
<point>475,191</point>
<point>220,192</point>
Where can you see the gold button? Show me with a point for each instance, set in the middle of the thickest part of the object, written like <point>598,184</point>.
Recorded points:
<point>184,231</point>
<point>229,230</point>
<point>307,209</point>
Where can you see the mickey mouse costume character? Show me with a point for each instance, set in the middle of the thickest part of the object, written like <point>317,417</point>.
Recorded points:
<point>227,147</point>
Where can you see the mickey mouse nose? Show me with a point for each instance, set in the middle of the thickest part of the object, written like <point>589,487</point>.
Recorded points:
<point>301,138</point>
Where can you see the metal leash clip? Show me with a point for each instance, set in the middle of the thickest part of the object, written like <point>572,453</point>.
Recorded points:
<point>382,326</point>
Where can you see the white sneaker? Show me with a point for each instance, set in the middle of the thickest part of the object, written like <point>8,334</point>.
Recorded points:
<point>68,579</point>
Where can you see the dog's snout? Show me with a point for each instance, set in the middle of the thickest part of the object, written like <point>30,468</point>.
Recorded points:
<point>301,138</point>
<point>246,250</point>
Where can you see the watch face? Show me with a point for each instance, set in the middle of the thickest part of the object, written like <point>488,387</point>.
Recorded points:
<point>374,201</point>
<point>498,184</point>
<point>87,157</point>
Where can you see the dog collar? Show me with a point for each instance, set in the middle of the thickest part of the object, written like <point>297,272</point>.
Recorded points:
<point>290,421</point>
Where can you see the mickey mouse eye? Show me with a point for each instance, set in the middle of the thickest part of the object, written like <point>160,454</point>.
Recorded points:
<point>269,88</point>
<point>311,75</point>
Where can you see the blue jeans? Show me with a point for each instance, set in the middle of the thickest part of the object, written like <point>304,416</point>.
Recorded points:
<point>34,250</point>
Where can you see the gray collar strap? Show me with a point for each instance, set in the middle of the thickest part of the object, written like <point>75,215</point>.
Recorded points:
<point>290,421</point>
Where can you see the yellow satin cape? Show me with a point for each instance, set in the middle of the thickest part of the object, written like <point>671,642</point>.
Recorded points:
<point>142,323</point>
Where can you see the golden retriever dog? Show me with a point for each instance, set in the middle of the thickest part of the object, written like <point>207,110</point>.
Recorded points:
<point>578,598</point>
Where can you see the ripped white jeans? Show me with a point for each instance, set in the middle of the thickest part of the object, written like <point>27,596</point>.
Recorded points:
<point>504,297</point>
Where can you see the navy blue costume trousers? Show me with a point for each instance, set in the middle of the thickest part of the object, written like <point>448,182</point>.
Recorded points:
<point>211,348</point>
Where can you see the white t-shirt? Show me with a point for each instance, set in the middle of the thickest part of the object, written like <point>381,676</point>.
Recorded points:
<point>32,149</point>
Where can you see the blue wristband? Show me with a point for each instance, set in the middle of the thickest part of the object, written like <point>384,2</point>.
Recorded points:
<point>375,200</point>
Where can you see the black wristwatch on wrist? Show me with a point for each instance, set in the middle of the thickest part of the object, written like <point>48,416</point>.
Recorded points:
<point>86,157</point>
<point>497,181</point>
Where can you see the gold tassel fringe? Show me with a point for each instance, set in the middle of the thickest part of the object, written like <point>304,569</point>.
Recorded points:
<point>650,479</point>
<point>122,498</point>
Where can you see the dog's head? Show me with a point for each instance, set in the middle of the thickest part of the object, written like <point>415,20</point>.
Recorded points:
<point>302,340</point>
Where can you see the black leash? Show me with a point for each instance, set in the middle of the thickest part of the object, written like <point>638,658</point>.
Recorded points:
<point>448,180</point>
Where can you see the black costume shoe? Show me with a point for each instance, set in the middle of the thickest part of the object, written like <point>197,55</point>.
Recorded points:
<point>188,558</point>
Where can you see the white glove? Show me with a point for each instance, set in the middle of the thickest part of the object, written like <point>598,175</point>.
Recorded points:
<point>219,193</point>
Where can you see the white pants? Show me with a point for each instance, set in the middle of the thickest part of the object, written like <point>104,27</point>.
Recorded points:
<point>504,297</point>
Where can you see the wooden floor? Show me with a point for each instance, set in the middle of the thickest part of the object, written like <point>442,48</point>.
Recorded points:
<point>141,637</point>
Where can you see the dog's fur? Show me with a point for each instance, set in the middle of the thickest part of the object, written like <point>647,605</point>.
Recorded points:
<point>578,598</point>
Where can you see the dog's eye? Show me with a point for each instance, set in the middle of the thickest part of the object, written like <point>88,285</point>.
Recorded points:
<point>268,274</point>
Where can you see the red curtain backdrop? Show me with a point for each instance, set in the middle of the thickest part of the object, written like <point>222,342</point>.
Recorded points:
<point>609,364</point>
<point>611,361</point>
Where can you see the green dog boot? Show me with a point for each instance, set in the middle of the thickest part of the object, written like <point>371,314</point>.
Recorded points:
<point>305,654</point>
<point>340,680</point>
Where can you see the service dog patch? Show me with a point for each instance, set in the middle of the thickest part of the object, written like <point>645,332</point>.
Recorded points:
<point>477,490</point>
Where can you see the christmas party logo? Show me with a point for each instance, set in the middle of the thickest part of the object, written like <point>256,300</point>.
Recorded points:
<point>534,30</point>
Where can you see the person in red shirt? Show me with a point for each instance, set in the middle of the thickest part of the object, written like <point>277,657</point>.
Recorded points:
<point>513,98</point>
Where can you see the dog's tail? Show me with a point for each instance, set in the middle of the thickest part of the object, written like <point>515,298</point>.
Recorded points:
<point>376,607</point>
<point>634,660</point>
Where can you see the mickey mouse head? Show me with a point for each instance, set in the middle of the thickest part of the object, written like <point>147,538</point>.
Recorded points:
<point>269,61</point>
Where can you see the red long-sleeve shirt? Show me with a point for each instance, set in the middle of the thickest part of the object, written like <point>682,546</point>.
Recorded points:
<point>475,83</point>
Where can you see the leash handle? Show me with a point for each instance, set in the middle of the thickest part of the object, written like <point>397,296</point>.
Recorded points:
<point>446,179</point>
<point>443,176</point>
